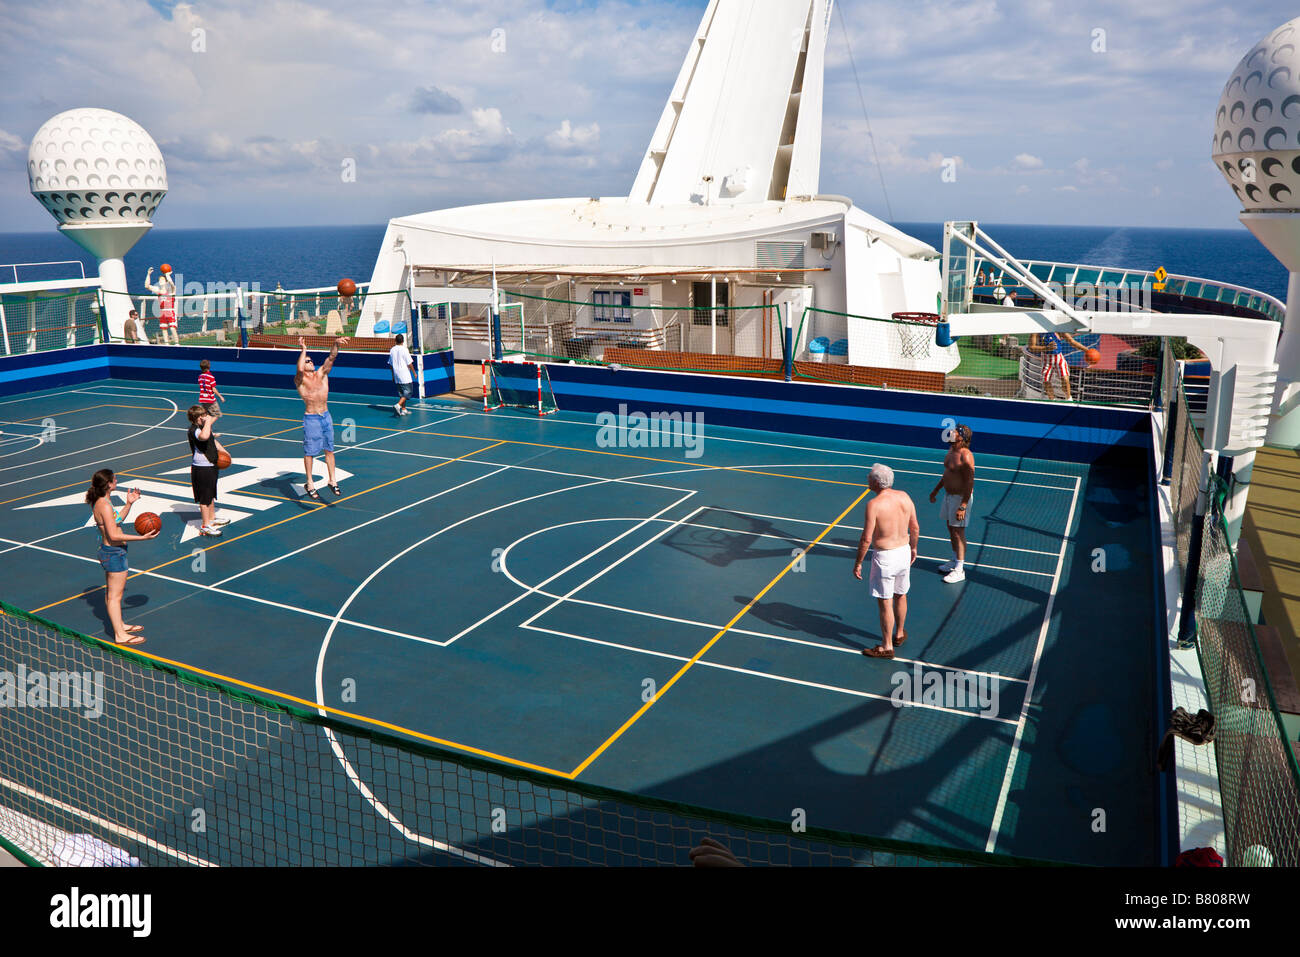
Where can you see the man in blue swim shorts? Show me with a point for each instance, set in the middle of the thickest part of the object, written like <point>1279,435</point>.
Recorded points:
<point>317,426</point>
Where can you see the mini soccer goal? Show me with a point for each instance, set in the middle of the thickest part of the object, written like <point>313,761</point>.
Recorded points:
<point>517,385</point>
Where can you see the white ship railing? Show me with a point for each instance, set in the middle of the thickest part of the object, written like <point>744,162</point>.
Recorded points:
<point>1072,275</point>
<point>81,267</point>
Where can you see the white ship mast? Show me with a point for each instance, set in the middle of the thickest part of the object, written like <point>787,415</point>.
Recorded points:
<point>743,122</point>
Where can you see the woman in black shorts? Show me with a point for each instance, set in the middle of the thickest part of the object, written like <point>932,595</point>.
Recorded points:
<point>112,549</point>
<point>203,467</point>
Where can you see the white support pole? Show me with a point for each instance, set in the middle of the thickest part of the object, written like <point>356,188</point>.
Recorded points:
<point>713,316</point>
<point>4,328</point>
<point>1234,509</point>
<point>1284,430</point>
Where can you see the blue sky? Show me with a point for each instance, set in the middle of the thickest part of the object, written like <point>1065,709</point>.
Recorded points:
<point>440,104</point>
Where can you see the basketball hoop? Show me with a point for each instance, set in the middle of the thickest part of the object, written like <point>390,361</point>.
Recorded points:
<point>916,332</point>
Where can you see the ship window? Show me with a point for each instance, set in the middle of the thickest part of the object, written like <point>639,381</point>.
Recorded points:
<point>703,314</point>
<point>611,305</point>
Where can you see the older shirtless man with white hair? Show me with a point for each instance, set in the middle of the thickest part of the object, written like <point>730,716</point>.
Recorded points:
<point>891,531</point>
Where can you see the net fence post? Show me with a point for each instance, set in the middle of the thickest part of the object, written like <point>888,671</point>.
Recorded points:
<point>1187,616</point>
<point>789,342</point>
<point>417,340</point>
<point>1175,413</point>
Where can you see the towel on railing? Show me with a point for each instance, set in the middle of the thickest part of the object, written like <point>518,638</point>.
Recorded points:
<point>1197,728</point>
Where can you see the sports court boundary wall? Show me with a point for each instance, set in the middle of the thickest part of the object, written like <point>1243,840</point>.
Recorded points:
<point>1060,432</point>
<point>358,373</point>
<point>49,370</point>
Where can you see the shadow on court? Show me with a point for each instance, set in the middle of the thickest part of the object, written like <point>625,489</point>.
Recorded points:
<point>809,621</point>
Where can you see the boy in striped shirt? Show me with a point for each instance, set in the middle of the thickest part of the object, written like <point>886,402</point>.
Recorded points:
<point>208,394</point>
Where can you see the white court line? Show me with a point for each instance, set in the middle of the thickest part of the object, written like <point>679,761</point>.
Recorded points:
<point>155,448</point>
<point>858,528</point>
<point>1033,676</point>
<point>48,538</point>
<point>715,438</point>
<point>825,465</point>
<point>610,567</point>
<point>215,589</point>
<point>109,826</point>
<point>928,558</point>
<point>357,528</point>
<point>793,465</point>
<point>478,461</point>
<point>771,677</point>
<point>36,425</point>
<point>572,565</point>
<point>40,438</point>
<point>55,458</point>
<point>229,594</point>
<point>505,570</point>
<point>329,635</point>
<point>26,439</point>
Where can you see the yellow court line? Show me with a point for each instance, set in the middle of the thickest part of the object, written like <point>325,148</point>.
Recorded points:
<point>372,428</point>
<point>648,458</point>
<point>69,412</point>
<point>418,430</point>
<point>258,531</point>
<point>712,641</point>
<point>335,711</point>
<point>158,478</point>
<point>89,408</point>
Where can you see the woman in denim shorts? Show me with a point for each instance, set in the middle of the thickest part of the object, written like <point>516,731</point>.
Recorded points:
<point>112,549</point>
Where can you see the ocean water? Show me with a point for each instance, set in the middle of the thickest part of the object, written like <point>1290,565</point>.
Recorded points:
<point>304,257</point>
<point>293,257</point>
<point>1225,255</point>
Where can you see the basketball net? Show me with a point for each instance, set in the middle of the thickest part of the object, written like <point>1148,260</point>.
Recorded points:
<point>915,339</point>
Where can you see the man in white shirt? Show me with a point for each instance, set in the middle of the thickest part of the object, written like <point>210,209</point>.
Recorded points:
<point>403,374</point>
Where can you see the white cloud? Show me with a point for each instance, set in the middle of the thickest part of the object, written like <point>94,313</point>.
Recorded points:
<point>570,139</point>
<point>286,90</point>
<point>1022,189</point>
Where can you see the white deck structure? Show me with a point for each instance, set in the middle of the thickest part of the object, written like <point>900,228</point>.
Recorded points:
<point>724,210</point>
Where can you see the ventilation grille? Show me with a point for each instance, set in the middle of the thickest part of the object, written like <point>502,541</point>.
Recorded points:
<point>776,256</point>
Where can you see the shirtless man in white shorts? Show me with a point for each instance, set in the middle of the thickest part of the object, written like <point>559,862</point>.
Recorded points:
<point>958,485</point>
<point>891,532</point>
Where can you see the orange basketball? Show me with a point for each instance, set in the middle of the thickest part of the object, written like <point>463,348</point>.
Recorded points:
<point>1093,356</point>
<point>347,287</point>
<point>223,459</point>
<point>146,523</point>
<point>165,268</point>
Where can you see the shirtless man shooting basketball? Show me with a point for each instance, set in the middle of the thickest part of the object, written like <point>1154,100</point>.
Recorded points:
<point>317,426</point>
<point>891,531</point>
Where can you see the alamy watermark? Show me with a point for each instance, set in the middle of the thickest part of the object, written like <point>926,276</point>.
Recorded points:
<point>655,430</point>
<point>957,690</point>
<point>29,688</point>
<point>1104,296</point>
